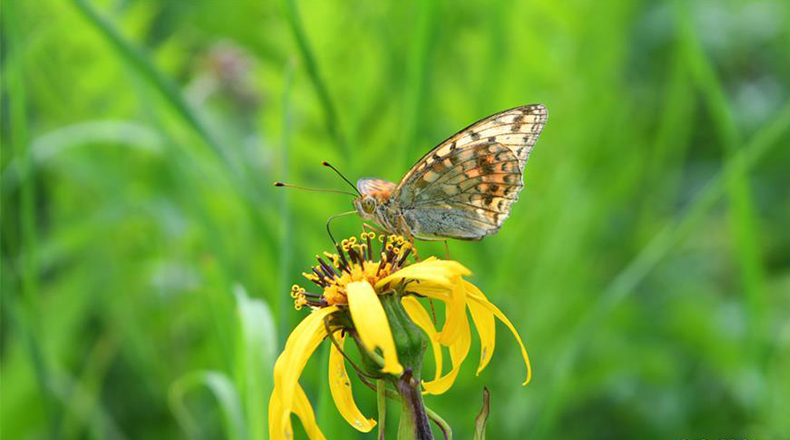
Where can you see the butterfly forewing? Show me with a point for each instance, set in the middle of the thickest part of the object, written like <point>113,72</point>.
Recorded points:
<point>464,187</point>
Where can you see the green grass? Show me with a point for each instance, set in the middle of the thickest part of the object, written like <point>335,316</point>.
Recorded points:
<point>146,258</point>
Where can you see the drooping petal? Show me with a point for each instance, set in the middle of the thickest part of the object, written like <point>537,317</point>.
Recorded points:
<point>276,429</point>
<point>474,294</point>
<point>281,429</point>
<point>300,346</point>
<point>419,316</point>
<point>304,411</point>
<point>430,290</point>
<point>340,387</point>
<point>439,272</point>
<point>450,291</point>
<point>455,314</point>
<point>458,351</point>
<point>371,323</point>
<point>486,328</point>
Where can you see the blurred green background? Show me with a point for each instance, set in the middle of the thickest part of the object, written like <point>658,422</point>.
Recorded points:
<point>146,258</point>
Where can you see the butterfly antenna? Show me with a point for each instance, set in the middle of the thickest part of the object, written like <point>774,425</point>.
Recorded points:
<point>288,185</point>
<point>327,164</point>
<point>329,220</point>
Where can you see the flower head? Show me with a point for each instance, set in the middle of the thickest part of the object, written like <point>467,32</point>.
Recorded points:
<point>369,290</point>
<point>353,262</point>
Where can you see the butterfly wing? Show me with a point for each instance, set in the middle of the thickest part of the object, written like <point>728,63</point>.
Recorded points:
<point>379,188</point>
<point>464,187</point>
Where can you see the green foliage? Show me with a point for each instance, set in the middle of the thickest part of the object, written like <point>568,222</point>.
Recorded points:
<point>146,258</point>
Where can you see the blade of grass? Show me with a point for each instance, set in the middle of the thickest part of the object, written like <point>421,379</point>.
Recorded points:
<point>664,162</point>
<point>82,398</point>
<point>741,208</point>
<point>27,314</point>
<point>286,257</point>
<point>223,390</point>
<point>103,132</point>
<point>330,113</point>
<point>647,259</point>
<point>414,99</point>
<point>169,91</point>
<point>167,88</point>
<point>256,343</point>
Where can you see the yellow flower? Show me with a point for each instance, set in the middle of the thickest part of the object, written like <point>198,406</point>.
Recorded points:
<point>352,283</point>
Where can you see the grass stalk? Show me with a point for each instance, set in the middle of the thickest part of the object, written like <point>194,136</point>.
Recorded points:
<point>417,74</point>
<point>168,89</point>
<point>647,259</point>
<point>27,317</point>
<point>741,208</point>
<point>162,84</point>
<point>286,258</point>
<point>331,119</point>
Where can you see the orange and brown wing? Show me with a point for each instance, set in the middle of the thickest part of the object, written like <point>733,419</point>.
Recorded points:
<point>517,129</point>
<point>464,188</point>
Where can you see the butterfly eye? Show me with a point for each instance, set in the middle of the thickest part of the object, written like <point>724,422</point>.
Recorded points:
<point>369,205</point>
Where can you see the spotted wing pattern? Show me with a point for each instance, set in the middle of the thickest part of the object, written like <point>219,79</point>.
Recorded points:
<point>464,188</point>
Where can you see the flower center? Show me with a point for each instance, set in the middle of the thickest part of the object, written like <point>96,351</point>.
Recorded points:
<point>354,261</point>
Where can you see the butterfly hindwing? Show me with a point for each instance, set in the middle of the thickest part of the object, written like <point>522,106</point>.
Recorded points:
<point>467,194</point>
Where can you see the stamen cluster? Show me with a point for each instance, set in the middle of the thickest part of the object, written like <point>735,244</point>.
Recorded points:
<point>354,261</point>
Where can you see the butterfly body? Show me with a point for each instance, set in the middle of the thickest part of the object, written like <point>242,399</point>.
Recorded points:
<point>464,187</point>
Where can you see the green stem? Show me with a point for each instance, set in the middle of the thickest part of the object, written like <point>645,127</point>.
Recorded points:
<point>413,418</point>
<point>444,426</point>
<point>447,431</point>
<point>381,399</point>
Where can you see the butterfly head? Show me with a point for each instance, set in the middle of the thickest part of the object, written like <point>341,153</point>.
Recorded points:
<point>373,193</point>
<point>366,206</point>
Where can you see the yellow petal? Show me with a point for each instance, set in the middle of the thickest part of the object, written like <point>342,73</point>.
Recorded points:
<point>281,429</point>
<point>440,272</point>
<point>420,317</point>
<point>340,387</point>
<point>458,351</point>
<point>486,328</point>
<point>276,429</point>
<point>431,290</point>
<point>371,323</point>
<point>305,413</point>
<point>455,314</point>
<point>474,294</point>
<point>300,346</point>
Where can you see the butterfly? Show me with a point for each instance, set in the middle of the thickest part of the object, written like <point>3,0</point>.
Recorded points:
<point>463,188</point>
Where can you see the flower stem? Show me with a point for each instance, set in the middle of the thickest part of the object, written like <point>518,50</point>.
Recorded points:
<point>413,419</point>
<point>381,399</point>
<point>446,430</point>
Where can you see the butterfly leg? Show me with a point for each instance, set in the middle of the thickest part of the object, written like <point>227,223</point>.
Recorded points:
<point>446,245</point>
